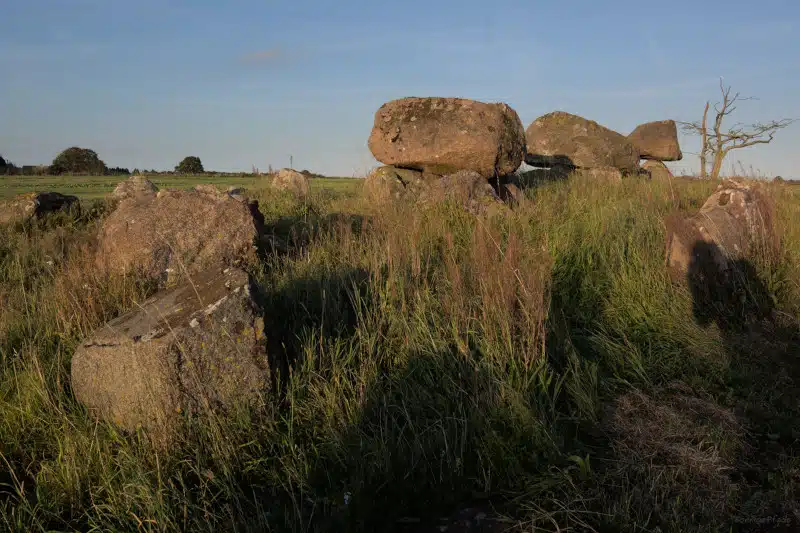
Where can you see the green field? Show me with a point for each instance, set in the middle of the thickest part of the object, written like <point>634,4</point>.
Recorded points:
<point>538,364</point>
<point>90,187</point>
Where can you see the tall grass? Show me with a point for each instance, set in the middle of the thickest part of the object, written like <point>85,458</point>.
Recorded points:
<point>434,360</point>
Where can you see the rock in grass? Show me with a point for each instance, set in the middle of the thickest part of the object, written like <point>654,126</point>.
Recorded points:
<point>657,141</point>
<point>287,179</point>
<point>134,186</point>
<point>657,170</point>
<point>391,183</point>
<point>566,140</point>
<point>35,205</point>
<point>733,223</point>
<point>466,188</point>
<point>196,349</point>
<point>445,135</point>
<point>173,233</point>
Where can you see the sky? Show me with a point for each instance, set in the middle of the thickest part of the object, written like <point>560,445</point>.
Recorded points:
<point>244,83</point>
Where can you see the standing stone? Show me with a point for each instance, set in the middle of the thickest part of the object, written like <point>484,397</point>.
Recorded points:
<point>657,141</point>
<point>195,349</point>
<point>563,139</point>
<point>466,188</point>
<point>657,170</point>
<point>731,224</point>
<point>444,135</point>
<point>287,179</point>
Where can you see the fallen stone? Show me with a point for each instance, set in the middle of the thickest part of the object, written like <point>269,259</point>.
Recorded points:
<point>566,140</point>
<point>445,135</point>
<point>657,141</point>
<point>175,233</point>
<point>192,350</point>
<point>35,205</point>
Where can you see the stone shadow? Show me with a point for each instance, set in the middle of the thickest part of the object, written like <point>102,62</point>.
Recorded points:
<point>763,346</point>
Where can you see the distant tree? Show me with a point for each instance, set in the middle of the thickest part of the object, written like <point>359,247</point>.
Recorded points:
<point>135,171</point>
<point>3,165</point>
<point>716,143</point>
<point>77,160</point>
<point>118,171</point>
<point>190,165</point>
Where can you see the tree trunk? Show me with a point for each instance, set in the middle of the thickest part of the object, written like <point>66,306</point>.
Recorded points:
<point>719,156</point>
<point>704,146</point>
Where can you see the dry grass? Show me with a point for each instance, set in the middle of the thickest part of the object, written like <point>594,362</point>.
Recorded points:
<point>521,360</point>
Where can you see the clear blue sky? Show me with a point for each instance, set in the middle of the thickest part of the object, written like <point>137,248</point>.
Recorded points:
<point>241,83</point>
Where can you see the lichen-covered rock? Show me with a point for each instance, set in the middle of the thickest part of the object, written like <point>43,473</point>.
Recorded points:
<point>195,349</point>
<point>133,186</point>
<point>733,222</point>
<point>566,140</point>
<point>35,205</point>
<point>287,179</point>
<point>466,188</point>
<point>657,141</point>
<point>444,135</point>
<point>391,183</point>
<point>174,233</point>
<point>656,170</point>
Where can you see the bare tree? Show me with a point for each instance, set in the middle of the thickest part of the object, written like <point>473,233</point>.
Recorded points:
<point>716,143</point>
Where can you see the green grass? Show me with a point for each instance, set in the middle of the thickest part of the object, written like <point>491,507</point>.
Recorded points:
<point>92,187</point>
<point>539,363</point>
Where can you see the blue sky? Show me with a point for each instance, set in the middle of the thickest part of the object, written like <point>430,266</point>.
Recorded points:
<point>244,83</point>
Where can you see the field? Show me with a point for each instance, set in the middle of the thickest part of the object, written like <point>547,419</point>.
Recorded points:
<point>538,365</point>
<point>91,187</point>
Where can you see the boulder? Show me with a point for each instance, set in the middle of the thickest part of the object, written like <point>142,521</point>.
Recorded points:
<point>444,135</point>
<point>563,139</point>
<point>657,170</point>
<point>133,186</point>
<point>35,205</point>
<point>391,183</point>
<point>657,141</point>
<point>195,349</point>
<point>287,179</point>
<point>466,188</point>
<point>731,224</point>
<point>173,233</point>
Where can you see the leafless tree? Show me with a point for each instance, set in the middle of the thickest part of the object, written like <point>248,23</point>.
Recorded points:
<point>716,142</point>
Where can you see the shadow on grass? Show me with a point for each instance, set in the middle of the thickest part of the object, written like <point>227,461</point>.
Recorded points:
<point>764,351</point>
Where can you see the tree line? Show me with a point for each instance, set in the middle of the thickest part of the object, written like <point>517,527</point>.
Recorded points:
<point>77,161</point>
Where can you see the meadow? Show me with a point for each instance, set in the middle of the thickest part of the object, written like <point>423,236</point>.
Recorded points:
<point>538,364</point>
<point>96,187</point>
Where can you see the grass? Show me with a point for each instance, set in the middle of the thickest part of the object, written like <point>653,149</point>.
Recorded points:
<point>539,364</point>
<point>95,187</point>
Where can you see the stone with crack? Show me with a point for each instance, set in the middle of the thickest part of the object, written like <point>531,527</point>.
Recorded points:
<point>195,349</point>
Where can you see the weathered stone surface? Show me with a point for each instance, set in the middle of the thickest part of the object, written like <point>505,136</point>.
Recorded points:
<point>133,186</point>
<point>563,139</point>
<point>392,183</point>
<point>34,205</point>
<point>445,135</point>
<point>173,233</point>
<point>465,187</point>
<point>190,350</point>
<point>731,224</point>
<point>657,170</point>
<point>287,179</point>
<point>657,141</point>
